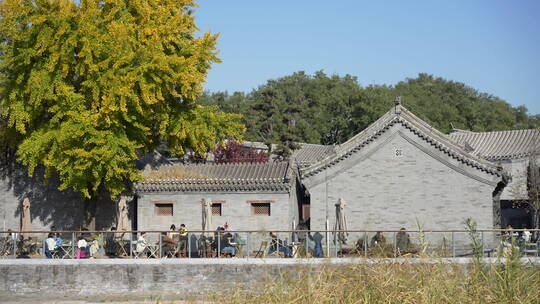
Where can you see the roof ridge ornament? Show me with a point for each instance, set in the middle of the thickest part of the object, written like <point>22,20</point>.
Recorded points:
<point>397,103</point>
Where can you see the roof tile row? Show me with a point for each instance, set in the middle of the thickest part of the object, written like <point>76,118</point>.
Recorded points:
<point>217,177</point>
<point>501,144</point>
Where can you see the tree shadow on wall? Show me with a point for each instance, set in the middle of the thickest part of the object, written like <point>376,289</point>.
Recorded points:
<point>48,205</point>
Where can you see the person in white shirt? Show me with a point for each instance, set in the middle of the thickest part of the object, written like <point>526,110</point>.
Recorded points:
<point>81,248</point>
<point>50,242</point>
<point>141,243</point>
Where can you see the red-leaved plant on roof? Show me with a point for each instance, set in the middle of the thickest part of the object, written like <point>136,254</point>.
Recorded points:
<point>234,152</point>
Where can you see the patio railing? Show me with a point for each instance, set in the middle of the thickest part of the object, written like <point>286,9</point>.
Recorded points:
<point>266,244</point>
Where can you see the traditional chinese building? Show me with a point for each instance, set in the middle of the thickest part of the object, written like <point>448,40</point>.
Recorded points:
<point>513,150</point>
<point>398,172</point>
<point>247,196</point>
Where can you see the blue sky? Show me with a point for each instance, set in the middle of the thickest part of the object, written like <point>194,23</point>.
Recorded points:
<point>492,46</point>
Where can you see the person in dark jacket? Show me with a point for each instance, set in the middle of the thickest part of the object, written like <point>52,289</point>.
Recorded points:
<point>277,245</point>
<point>228,245</point>
<point>403,242</point>
<point>378,239</point>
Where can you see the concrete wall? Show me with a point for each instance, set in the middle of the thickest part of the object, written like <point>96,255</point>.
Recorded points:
<point>236,211</point>
<point>59,278</point>
<point>385,191</point>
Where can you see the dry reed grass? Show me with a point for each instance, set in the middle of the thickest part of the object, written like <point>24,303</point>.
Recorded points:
<point>172,173</point>
<point>510,282</point>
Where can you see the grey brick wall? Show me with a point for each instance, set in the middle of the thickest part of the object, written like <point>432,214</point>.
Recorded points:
<point>236,211</point>
<point>517,188</point>
<point>385,191</point>
<point>48,205</point>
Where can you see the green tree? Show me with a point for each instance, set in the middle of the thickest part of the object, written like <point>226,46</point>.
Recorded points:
<point>300,107</point>
<point>325,109</point>
<point>87,86</point>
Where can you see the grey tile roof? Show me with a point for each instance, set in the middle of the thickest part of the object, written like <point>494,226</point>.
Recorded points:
<point>400,115</point>
<point>309,154</point>
<point>499,145</point>
<point>255,145</point>
<point>271,176</point>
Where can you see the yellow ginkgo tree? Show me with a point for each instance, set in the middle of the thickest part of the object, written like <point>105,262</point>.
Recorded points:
<point>87,86</point>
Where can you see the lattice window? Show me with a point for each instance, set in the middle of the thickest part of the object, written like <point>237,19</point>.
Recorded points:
<point>216,209</point>
<point>260,209</point>
<point>163,209</point>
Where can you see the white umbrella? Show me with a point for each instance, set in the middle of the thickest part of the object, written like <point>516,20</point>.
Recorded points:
<point>122,220</point>
<point>26,219</point>
<point>207,214</point>
<point>341,222</point>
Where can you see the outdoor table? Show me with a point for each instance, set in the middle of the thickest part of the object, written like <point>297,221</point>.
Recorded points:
<point>150,251</point>
<point>68,250</point>
<point>153,251</point>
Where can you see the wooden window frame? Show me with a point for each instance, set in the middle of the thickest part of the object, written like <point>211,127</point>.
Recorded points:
<point>163,204</point>
<point>253,205</point>
<point>215,205</point>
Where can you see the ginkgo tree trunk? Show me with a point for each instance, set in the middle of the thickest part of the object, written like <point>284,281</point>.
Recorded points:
<point>88,86</point>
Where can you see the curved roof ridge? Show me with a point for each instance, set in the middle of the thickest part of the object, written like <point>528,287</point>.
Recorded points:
<point>400,114</point>
<point>388,116</point>
<point>445,140</point>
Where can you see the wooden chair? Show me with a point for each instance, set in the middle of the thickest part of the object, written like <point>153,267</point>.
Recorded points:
<point>240,245</point>
<point>263,249</point>
<point>531,249</point>
<point>5,248</point>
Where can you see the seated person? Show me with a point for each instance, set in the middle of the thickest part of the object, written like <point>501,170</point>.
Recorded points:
<point>111,246</point>
<point>183,233</point>
<point>378,239</point>
<point>403,242</point>
<point>277,245</point>
<point>50,246</point>
<point>10,239</point>
<point>58,247</point>
<point>82,248</point>
<point>167,244</point>
<point>218,236</point>
<point>227,244</point>
<point>94,246</point>
<point>359,245</point>
<point>141,247</point>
